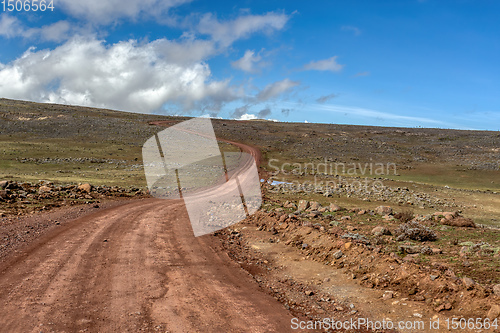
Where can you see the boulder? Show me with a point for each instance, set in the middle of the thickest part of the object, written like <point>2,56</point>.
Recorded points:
<point>85,188</point>
<point>303,205</point>
<point>334,208</point>
<point>494,312</point>
<point>3,184</point>
<point>379,231</point>
<point>496,290</point>
<point>383,210</point>
<point>44,189</point>
<point>314,205</point>
<point>4,194</point>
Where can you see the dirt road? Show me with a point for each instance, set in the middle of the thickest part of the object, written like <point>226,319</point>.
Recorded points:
<point>135,267</point>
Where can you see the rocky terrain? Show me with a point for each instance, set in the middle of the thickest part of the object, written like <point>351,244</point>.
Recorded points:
<point>441,263</point>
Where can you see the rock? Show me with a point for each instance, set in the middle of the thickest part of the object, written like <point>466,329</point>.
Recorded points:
<point>4,194</point>
<point>334,208</point>
<point>494,312</point>
<point>362,212</point>
<point>313,214</point>
<point>309,292</point>
<point>314,205</point>
<point>436,251</point>
<point>410,249</point>
<point>85,188</point>
<point>468,282</point>
<point>459,222</point>
<point>445,214</point>
<point>3,184</point>
<point>413,258</point>
<point>439,308</point>
<point>383,210</point>
<point>388,295</point>
<point>283,218</point>
<point>338,254</point>
<point>347,245</point>
<point>496,289</point>
<point>464,251</point>
<point>290,204</point>
<point>379,231</point>
<point>303,205</point>
<point>44,189</point>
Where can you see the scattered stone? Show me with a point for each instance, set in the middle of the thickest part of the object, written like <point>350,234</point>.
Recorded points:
<point>3,184</point>
<point>496,289</point>
<point>44,189</point>
<point>436,251</point>
<point>379,231</point>
<point>468,282</point>
<point>303,205</point>
<point>85,188</point>
<point>494,312</point>
<point>338,254</point>
<point>314,205</point>
<point>383,210</point>
<point>410,249</point>
<point>388,295</point>
<point>334,208</point>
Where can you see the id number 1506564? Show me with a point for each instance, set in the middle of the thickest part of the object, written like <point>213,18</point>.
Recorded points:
<point>27,5</point>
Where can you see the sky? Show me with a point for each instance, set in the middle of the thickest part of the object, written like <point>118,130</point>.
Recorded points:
<point>402,63</point>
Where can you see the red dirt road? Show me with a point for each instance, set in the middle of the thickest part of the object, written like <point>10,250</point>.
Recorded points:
<point>134,267</point>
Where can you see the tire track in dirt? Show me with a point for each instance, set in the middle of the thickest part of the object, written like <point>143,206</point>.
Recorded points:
<point>136,267</point>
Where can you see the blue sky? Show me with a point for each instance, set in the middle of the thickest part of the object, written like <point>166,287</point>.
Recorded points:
<point>386,63</point>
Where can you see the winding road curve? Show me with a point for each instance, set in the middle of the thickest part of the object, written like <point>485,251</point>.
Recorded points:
<point>133,267</point>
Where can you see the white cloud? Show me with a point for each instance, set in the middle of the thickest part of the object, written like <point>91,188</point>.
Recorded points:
<point>12,27</point>
<point>247,62</point>
<point>125,76</point>
<point>186,51</point>
<point>355,30</point>
<point>329,64</point>
<point>102,12</point>
<point>247,116</point>
<point>227,32</point>
<point>276,89</point>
